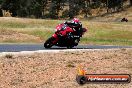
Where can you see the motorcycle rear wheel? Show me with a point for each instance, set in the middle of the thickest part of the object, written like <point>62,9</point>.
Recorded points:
<point>48,43</point>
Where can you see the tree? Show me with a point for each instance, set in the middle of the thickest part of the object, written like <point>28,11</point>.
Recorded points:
<point>115,5</point>
<point>44,4</point>
<point>74,7</point>
<point>131,2</point>
<point>1,1</point>
<point>36,8</point>
<point>1,13</point>
<point>12,6</point>
<point>22,10</point>
<point>86,7</point>
<point>55,8</point>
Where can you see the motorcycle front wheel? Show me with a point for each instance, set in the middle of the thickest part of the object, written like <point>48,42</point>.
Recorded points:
<point>70,47</point>
<point>49,42</point>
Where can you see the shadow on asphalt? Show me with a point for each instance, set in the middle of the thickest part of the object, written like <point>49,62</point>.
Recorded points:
<point>61,48</point>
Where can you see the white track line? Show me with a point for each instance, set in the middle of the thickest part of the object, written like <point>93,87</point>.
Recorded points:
<point>52,51</point>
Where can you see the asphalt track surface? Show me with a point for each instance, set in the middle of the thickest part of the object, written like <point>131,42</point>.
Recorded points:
<point>35,47</point>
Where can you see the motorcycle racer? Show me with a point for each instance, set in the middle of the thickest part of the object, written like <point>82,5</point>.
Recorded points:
<point>67,34</point>
<point>74,24</point>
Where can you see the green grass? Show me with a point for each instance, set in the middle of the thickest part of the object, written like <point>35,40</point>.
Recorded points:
<point>12,25</point>
<point>110,33</point>
<point>43,34</point>
<point>27,23</point>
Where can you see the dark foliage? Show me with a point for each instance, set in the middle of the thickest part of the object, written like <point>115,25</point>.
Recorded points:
<point>131,2</point>
<point>57,8</point>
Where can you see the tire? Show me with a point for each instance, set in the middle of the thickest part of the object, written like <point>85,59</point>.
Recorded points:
<point>76,42</point>
<point>69,47</point>
<point>48,43</point>
<point>81,79</point>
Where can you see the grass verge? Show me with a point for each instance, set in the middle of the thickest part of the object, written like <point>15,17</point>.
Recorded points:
<point>110,33</point>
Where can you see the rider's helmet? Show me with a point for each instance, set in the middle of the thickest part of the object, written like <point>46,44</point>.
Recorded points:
<point>76,22</point>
